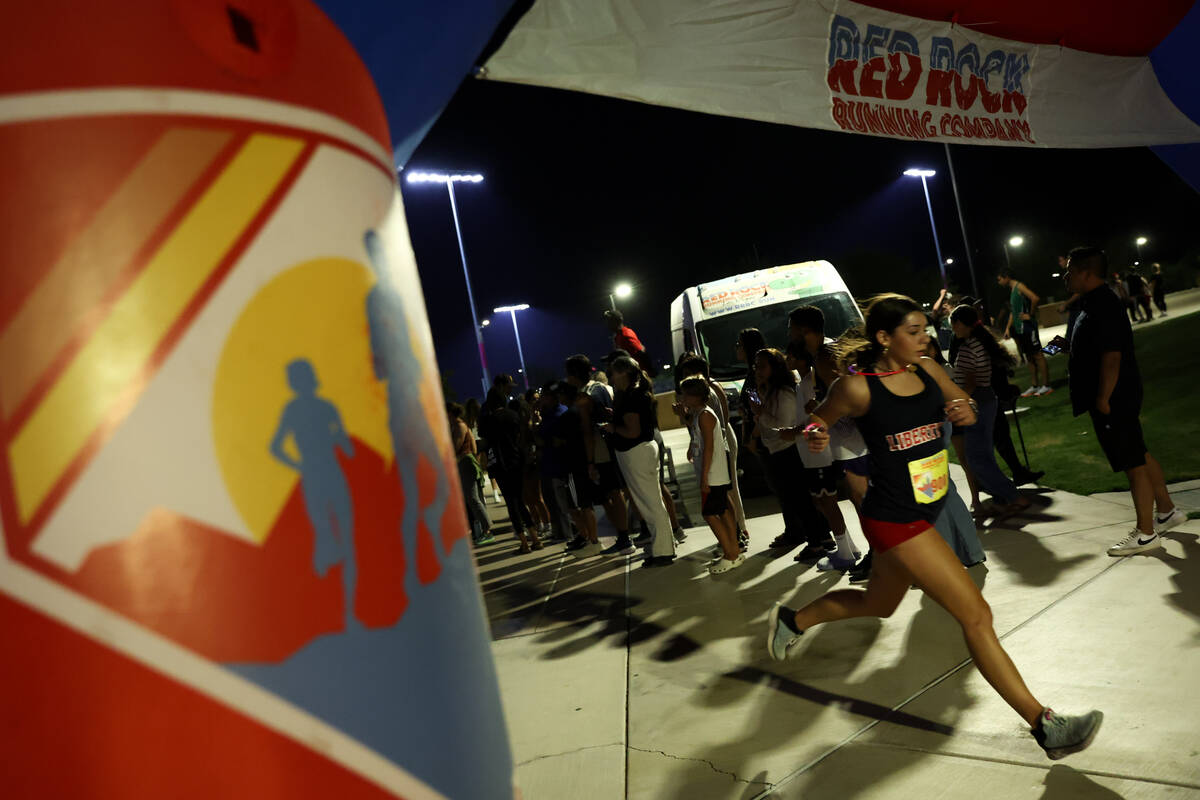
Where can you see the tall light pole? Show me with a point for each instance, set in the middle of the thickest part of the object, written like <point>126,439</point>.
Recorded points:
<point>1015,241</point>
<point>923,174</point>
<point>1141,240</point>
<point>449,179</point>
<point>512,312</point>
<point>962,222</point>
<point>621,290</point>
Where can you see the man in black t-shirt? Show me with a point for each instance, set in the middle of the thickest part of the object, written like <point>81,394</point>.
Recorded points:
<point>1106,384</point>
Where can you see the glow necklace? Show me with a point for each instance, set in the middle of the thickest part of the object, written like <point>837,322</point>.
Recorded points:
<point>908,368</point>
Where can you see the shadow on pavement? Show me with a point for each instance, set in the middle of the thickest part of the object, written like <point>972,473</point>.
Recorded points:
<point>1187,574</point>
<point>1064,783</point>
<point>1028,557</point>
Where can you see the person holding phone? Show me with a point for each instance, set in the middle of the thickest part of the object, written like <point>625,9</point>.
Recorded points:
<point>1105,383</point>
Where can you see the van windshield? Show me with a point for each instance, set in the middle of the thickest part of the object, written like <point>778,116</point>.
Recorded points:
<point>718,336</point>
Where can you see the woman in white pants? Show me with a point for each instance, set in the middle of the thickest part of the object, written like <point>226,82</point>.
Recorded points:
<point>632,438</point>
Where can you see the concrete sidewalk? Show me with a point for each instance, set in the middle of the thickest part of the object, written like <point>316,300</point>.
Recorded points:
<point>624,682</point>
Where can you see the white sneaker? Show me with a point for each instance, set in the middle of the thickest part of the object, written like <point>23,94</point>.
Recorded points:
<point>724,565</point>
<point>680,535</point>
<point>1135,542</point>
<point>1030,392</point>
<point>779,637</point>
<point>1041,390</point>
<point>1164,524</point>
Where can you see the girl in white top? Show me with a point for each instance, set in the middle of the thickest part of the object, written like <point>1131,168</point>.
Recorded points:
<point>691,365</point>
<point>712,467</point>
<point>777,409</point>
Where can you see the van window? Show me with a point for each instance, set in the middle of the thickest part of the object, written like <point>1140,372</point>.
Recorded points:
<point>718,336</point>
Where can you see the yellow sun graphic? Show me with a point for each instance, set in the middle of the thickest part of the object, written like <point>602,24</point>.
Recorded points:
<point>315,311</point>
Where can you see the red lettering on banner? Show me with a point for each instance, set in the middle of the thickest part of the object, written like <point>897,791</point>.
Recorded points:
<point>937,89</point>
<point>1014,100</point>
<point>927,124</point>
<point>862,117</point>
<point>958,78</point>
<point>991,100</point>
<point>902,89</point>
<point>841,74</point>
<point>869,84</point>
<point>964,94</point>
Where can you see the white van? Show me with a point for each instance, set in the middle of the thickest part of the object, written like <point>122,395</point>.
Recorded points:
<point>706,319</point>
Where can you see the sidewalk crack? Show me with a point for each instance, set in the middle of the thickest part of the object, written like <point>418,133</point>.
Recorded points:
<point>710,764</point>
<point>569,752</point>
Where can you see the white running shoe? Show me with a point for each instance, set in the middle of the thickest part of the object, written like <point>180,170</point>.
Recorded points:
<point>1041,390</point>
<point>832,563</point>
<point>1060,735</point>
<point>1135,542</point>
<point>779,637</point>
<point>725,565</point>
<point>1030,392</point>
<point>1164,524</point>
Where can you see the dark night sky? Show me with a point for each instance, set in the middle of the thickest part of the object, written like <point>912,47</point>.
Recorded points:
<point>583,192</point>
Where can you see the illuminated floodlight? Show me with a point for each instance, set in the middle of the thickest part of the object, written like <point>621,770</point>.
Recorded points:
<point>443,177</point>
<point>622,290</point>
<point>1016,241</point>
<point>920,173</point>
<point>485,323</point>
<point>1141,240</point>
<point>507,309</point>
<point>949,261</point>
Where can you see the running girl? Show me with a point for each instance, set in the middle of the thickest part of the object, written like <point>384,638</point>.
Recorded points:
<point>900,399</point>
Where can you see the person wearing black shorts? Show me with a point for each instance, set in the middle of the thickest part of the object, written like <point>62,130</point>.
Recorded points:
<point>1023,328</point>
<point>712,468</point>
<point>1105,383</point>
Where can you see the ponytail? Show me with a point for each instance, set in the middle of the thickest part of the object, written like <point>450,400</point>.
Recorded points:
<point>860,347</point>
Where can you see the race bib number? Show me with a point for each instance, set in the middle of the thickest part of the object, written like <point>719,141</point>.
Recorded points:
<point>930,477</point>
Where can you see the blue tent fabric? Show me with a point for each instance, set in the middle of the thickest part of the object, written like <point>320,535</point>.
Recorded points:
<point>1174,64</point>
<point>418,53</point>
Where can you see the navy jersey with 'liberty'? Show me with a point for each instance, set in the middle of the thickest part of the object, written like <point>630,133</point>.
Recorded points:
<point>909,467</point>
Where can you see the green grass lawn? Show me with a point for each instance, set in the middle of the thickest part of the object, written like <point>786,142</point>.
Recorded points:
<point>1065,446</point>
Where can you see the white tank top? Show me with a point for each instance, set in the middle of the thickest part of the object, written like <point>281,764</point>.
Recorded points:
<point>805,392</point>
<point>845,441</point>
<point>718,470</point>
